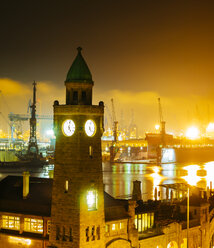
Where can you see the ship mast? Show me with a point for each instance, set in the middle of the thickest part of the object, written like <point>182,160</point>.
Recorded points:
<point>32,145</point>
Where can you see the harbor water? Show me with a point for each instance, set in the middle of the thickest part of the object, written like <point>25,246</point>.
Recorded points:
<point>118,177</point>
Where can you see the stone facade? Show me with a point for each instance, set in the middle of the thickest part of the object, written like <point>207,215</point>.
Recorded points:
<point>83,172</point>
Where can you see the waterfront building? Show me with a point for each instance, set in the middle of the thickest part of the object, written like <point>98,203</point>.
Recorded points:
<point>72,210</point>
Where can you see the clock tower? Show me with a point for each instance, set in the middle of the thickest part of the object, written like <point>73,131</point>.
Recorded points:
<point>77,211</point>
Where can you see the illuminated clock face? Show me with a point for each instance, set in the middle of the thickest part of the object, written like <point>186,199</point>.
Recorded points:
<point>90,128</point>
<point>68,127</point>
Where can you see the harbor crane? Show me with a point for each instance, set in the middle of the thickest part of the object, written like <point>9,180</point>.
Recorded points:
<point>115,122</point>
<point>32,145</point>
<point>162,123</point>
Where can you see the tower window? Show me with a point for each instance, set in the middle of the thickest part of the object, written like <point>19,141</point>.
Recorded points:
<point>90,151</point>
<point>57,233</point>
<point>83,96</point>
<point>75,96</point>
<point>70,234</point>
<point>63,234</point>
<point>66,186</point>
<point>98,232</point>
<point>92,200</point>
<point>87,234</point>
<point>93,233</point>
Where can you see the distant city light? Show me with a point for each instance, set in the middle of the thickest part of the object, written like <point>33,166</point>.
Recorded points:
<point>192,178</point>
<point>157,127</point>
<point>22,241</point>
<point>192,133</point>
<point>210,127</point>
<point>50,132</point>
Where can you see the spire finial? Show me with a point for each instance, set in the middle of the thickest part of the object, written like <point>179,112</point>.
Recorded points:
<point>79,49</point>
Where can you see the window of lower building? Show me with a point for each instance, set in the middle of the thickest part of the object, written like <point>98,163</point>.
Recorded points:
<point>33,225</point>
<point>114,227</point>
<point>121,225</point>
<point>152,219</point>
<point>107,228</point>
<point>144,221</point>
<point>10,222</point>
<point>135,222</point>
<point>139,222</point>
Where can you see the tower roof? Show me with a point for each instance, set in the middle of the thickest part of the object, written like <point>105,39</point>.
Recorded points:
<point>79,71</point>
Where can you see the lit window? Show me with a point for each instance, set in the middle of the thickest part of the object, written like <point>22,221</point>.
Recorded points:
<point>139,223</point>
<point>135,221</point>
<point>121,225</point>
<point>146,223</point>
<point>143,221</point>
<point>152,219</point>
<point>33,225</point>
<point>66,186</point>
<point>113,227</point>
<point>10,222</point>
<point>107,228</point>
<point>149,220</point>
<point>90,151</point>
<point>92,200</point>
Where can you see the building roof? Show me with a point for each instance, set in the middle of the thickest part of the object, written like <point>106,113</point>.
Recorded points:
<point>115,209</point>
<point>38,201</point>
<point>79,71</point>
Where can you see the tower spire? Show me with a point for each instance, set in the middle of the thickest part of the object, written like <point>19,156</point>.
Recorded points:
<point>79,82</point>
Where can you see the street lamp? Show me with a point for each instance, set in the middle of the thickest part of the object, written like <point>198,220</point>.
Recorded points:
<point>187,216</point>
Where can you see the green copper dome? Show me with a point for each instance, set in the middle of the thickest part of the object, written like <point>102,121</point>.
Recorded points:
<point>79,71</point>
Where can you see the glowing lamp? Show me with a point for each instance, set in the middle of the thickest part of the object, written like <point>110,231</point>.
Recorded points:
<point>21,241</point>
<point>92,200</point>
<point>210,127</point>
<point>192,133</point>
<point>50,132</point>
<point>157,127</point>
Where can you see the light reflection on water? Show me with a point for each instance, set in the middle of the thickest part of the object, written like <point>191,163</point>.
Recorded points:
<point>118,178</point>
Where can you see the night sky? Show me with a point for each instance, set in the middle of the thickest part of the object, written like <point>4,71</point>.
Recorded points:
<point>137,51</point>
